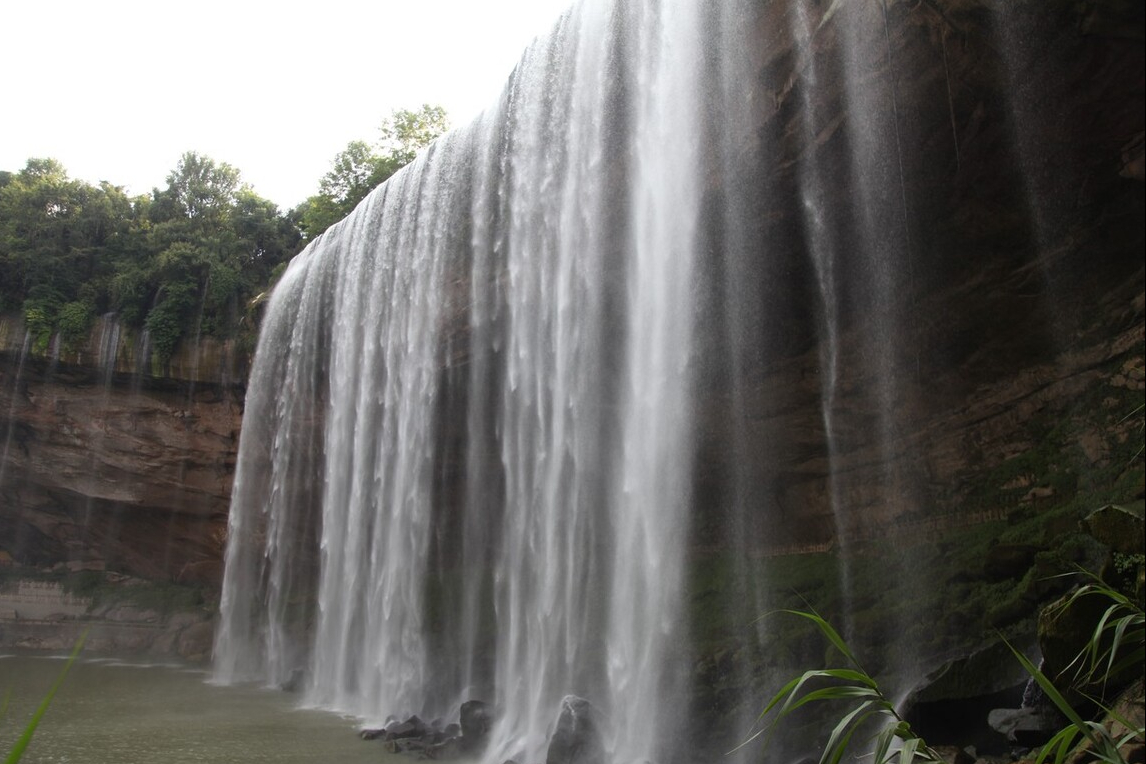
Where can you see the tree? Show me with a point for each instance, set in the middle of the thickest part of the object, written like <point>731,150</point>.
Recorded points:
<point>405,133</point>
<point>200,188</point>
<point>360,167</point>
<point>214,243</point>
<point>55,237</point>
<point>353,173</point>
<point>183,259</point>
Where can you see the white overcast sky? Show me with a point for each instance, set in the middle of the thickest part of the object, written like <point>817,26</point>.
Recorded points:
<point>117,90</point>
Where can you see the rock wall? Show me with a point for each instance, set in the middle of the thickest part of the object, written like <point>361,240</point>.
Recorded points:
<point>111,461</point>
<point>1019,171</point>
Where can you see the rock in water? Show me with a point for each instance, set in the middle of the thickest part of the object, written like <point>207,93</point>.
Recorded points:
<point>578,738</point>
<point>476,722</point>
<point>1028,726</point>
<point>411,728</point>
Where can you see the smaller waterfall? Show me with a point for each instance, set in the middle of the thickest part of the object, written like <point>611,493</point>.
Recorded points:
<point>17,376</point>
<point>108,349</point>
<point>106,352</point>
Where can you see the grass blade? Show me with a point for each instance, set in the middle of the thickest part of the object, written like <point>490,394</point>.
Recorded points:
<point>907,753</point>
<point>838,742</point>
<point>883,744</point>
<point>1052,692</point>
<point>1060,745</point>
<point>22,743</point>
<point>835,693</point>
<point>828,631</point>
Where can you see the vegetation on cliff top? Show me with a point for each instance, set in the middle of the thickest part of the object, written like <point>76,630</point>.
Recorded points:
<point>182,261</point>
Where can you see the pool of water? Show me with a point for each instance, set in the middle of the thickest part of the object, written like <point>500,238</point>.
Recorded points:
<point>114,712</point>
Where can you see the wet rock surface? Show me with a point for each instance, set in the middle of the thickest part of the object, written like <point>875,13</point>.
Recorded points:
<point>120,470</point>
<point>438,740</point>
<point>578,737</point>
<point>1028,726</point>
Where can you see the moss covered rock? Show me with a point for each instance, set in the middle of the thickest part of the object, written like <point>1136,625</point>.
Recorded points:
<point>1118,526</point>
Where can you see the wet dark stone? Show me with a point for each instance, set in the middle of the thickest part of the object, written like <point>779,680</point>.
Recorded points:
<point>578,738</point>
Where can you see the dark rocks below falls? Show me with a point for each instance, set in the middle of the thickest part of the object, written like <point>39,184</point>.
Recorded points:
<point>577,737</point>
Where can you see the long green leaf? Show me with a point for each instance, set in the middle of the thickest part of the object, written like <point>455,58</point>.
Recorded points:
<point>1120,629</point>
<point>1105,749</point>
<point>1052,692</point>
<point>835,693</point>
<point>907,753</point>
<point>829,632</point>
<point>850,675</point>
<point>1095,646</point>
<point>1060,744</point>
<point>1134,731</point>
<point>793,699</point>
<point>883,743</point>
<point>838,741</point>
<point>849,684</point>
<point>22,743</point>
<point>794,695</point>
<point>780,695</point>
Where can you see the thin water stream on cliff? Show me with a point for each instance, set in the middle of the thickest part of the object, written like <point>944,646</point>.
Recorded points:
<point>111,712</point>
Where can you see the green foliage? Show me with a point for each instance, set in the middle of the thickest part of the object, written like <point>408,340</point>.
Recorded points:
<point>74,319</point>
<point>202,189</point>
<point>351,173</point>
<point>1104,747</point>
<point>869,706</point>
<point>38,320</point>
<point>405,133</point>
<point>360,167</point>
<point>320,212</point>
<point>182,261</point>
<point>176,261</point>
<point>167,321</point>
<point>129,293</point>
<point>1117,646</point>
<point>1120,633</point>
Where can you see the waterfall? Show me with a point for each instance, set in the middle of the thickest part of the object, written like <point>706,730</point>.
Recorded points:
<point>711,289</point>
<point>464,469</point>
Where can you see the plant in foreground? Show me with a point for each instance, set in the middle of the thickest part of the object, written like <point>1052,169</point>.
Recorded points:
<point>1118,643</point>
<point>25,738</point>
<point>854,685</point>
<point>1117,646</point>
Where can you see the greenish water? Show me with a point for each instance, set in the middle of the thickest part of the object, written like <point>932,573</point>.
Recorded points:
<point>111,712</point>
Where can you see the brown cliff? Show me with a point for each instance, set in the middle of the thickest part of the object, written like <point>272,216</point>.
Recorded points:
<point>1018,278</point>
<point>108,462</point>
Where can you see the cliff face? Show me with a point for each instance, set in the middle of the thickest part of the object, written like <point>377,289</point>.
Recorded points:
<point>111,462</point>
<point>1012,144</point>
<point>1005,402</point>
<point>1020,169</point>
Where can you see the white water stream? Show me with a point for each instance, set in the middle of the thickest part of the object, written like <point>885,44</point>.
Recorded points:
<point>532,271</point>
